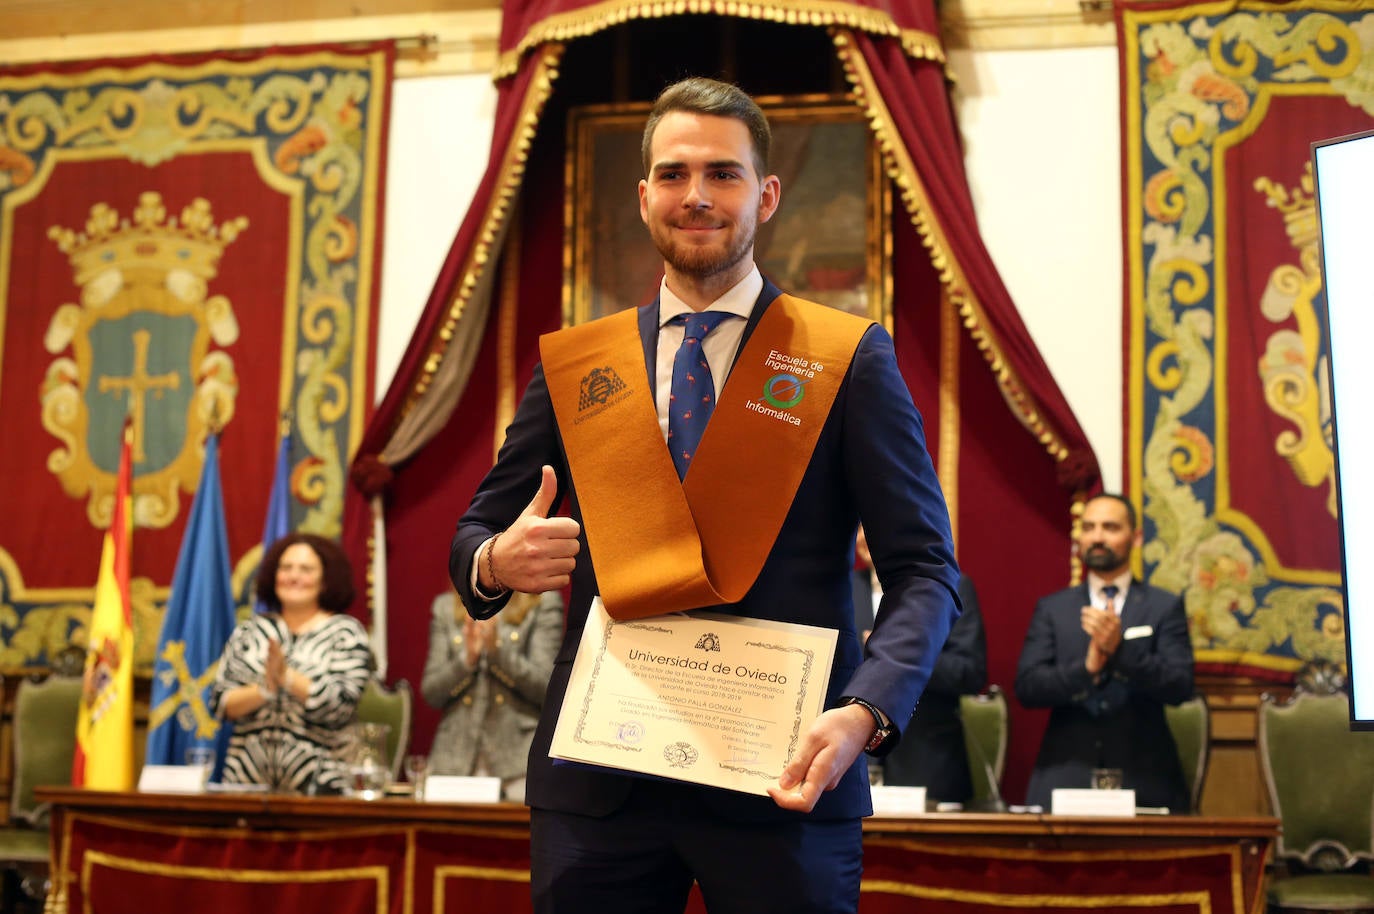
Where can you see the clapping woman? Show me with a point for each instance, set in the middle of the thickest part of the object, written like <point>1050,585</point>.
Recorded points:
<point>290,678</point>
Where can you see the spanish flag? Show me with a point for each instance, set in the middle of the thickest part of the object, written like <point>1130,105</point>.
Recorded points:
<point>104,758</point>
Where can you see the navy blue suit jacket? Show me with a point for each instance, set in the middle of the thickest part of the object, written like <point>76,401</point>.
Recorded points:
<point>1118,723</point>
<point>870,462</point>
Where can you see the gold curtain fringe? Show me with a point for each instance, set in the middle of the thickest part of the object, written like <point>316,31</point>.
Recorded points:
<point>902,172</point>
<point>498,211</point>
<point>828,13</point>
<point>923,45</point>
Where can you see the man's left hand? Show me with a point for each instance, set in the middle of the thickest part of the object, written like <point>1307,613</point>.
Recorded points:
<point>1104,628</point>
<point>829,746</point>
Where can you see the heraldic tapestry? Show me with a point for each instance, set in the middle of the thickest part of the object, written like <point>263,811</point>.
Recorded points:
<point>192,243</point>
<point>1229,439</point>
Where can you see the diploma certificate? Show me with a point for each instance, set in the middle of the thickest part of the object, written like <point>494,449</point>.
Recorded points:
<point>701,697</point>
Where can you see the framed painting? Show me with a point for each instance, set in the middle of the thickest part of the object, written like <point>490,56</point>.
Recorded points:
<point>828,242</point>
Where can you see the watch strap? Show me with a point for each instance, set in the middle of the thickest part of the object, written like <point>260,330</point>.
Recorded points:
<point>882,727</point>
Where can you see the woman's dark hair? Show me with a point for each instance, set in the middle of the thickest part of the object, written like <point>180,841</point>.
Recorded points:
<point>336,575</point>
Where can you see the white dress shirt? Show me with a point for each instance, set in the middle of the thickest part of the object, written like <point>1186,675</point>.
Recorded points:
<point>1099,599</point>
<point>720,345</point>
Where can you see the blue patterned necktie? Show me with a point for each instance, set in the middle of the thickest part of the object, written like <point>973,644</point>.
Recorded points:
<point>1109,594</point>
<point>693,394</point>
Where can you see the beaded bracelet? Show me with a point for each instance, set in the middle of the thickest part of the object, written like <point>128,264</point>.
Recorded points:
<point>491,563</point>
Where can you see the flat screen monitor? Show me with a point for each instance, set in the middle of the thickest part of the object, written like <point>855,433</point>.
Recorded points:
<point>1344,171</point>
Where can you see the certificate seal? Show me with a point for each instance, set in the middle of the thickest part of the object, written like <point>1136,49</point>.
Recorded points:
<point>680,755</point>
<point>630,732</point>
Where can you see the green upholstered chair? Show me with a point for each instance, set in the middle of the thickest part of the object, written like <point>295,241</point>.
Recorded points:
<point>44,742</point>
<point>1192,730</point>
<point>985,739</point>
<point>393,707</point>
<point>1320,778</point>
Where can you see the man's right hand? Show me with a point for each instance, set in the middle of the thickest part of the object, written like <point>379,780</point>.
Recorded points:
<point>537,552</point>
<point>1103,627</point>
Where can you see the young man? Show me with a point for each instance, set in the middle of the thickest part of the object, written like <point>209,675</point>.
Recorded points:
<point>814,429</point>
<point>1106,657</point>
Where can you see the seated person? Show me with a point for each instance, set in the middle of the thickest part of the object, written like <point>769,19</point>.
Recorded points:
<point>290,678</point>
<point>931,753</point>
<point>489,679</point>
<point>1106,657</point>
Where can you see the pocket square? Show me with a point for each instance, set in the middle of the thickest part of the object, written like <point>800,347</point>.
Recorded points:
<point>1138,631</point>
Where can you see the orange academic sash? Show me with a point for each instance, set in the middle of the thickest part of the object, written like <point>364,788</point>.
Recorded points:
<point>661,545</point>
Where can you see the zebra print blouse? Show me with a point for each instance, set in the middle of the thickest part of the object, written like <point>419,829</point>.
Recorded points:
<point>289,745</point>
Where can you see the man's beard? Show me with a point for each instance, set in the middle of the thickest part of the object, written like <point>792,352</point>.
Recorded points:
<point>1102,558</point>
<point>703,261</point>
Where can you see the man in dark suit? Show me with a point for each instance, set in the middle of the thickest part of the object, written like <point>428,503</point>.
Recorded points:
<point>932,753</point>
<point>605,841</point>
<point>1106,657</point>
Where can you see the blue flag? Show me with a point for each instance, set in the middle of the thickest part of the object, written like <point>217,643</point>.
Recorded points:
<point>278,522</point>
<point>198,622</point>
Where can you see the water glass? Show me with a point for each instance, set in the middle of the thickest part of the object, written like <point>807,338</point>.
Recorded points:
<point>1106,779</point>
<point>417,770</point>
<point>202,757</point>
<point>367,780</point>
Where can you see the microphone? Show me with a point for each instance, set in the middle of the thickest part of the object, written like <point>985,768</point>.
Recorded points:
<point>994,802</point>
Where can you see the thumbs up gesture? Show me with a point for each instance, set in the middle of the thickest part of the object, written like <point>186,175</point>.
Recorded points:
<point>537,552</point>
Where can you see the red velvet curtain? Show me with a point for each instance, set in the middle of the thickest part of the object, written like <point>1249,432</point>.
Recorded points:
<point>1011,454</point>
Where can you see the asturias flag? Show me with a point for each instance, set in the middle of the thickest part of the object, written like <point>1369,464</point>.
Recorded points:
<point>198,622</point>
<point>104,758</point>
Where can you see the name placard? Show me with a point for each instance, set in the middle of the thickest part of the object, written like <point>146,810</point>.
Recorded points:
<point>898,801</point>
<point>1075,801</point>
<point>173,778</point>
<point>451,788</point>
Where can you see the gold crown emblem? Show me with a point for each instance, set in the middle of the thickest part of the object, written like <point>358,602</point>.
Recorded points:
<point>1297,205</point>
<point>148,240</point>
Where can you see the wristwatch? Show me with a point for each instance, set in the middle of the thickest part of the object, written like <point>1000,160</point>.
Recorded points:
<point>884,727</point>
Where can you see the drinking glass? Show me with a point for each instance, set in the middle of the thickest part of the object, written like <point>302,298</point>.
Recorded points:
<point>417,770</point>
<point>202,757</point>
<point>1106,779</point>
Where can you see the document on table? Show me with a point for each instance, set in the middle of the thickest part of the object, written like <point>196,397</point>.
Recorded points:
<point>702,697</point>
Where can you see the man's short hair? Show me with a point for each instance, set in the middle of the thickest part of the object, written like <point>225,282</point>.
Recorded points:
<point>1120,499</point>
<point>700,95</point>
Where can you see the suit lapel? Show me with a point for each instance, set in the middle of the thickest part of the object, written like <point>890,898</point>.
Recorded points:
<point>766,296</point>
<point>1085,598</point>
<point>648,336</point>
<point>1134,610</point>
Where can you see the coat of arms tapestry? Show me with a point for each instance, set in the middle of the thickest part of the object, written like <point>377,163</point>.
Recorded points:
<point>1227,409</point>
<point>192,242</point>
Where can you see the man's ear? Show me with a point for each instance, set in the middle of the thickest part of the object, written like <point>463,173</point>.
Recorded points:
<point>770,195</point>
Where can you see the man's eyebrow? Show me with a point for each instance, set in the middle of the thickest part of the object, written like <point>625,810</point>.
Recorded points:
<point>711,166</point>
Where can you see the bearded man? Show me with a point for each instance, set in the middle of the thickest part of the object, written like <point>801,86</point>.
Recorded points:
<point>1106,657</point>
<point>795,423</point>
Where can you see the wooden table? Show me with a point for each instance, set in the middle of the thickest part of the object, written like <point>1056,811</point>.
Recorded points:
<point>147,853</point>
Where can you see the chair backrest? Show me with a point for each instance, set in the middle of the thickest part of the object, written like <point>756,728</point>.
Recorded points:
<point>1191,727</point>
<point>44,741</point>
<point>985,741</point>
<point>391,706</point>
<point>1320,777</point>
